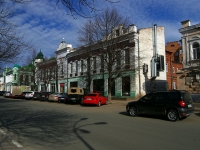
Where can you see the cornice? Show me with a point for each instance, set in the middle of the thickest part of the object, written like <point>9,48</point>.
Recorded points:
<point>193,27</point>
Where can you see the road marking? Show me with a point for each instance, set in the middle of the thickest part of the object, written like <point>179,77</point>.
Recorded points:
<point>17,144</point>
<point>13,141</point>
<point>4,133</point>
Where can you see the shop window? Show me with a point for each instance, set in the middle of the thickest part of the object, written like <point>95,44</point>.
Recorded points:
<point>126,86</point>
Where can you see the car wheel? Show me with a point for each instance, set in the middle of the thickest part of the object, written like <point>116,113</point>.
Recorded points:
<point>172,115</point>
<point>132,111</point>
<point>99,104</point>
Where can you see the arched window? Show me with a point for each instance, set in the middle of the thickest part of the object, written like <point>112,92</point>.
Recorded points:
<point>196,50</point>
<point>176,56</point>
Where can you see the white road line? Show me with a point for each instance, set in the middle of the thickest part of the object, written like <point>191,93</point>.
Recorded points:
<point>17,144</point>
<point>13,141</point>
<point>4,133</point>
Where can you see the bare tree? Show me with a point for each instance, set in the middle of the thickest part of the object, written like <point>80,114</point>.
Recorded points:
<point>11,41</point>
<point>83,8</point>
<point>31,57</point>
<point>101,31</point>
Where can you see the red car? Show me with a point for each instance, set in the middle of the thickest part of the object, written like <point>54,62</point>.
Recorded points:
<point>94,99</point>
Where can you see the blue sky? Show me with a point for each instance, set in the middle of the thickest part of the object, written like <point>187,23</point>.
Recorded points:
<point>46,24</point>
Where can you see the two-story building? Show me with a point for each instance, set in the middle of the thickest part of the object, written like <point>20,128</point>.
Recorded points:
<point>136,48</point>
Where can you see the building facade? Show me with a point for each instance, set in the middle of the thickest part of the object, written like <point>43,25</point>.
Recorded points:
<point>136,48</point>
<point>16,76</point>
<point>130,63</point>
<point>51,75</point>
<point>189,76</point>
<point>174,58</point>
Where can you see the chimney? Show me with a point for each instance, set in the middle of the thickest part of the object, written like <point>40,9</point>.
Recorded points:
<point>185,23</point>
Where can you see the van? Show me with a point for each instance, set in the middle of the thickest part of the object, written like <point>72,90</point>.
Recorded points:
<point>76,94</point>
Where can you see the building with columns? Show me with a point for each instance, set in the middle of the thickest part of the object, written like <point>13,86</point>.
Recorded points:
<point>189,76</point>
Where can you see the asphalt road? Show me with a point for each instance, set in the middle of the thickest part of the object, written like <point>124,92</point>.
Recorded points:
<point>54,126</point>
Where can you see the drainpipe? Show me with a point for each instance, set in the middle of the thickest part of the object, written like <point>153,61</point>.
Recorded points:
<point>67,73</point>
<point>139,69</point>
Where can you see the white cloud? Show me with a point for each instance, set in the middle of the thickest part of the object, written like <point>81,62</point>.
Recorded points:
<point>46,24</point>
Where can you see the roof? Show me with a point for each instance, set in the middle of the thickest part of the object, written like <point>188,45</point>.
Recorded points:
<point>40,55</point>
<point>16,66</point>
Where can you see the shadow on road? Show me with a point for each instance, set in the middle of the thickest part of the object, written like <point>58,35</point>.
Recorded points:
<point>51,129</point>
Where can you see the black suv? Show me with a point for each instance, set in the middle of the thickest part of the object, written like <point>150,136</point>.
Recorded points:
<point>173,104</point>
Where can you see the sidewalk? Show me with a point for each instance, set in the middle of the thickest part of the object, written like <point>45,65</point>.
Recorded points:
<point>7,143</point>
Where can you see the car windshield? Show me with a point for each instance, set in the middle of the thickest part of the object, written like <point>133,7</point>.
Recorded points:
<point>91,94</point>
<point>56,93</point>
<point>28,92</point>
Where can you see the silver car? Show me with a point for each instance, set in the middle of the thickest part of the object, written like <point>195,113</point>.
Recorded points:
<point>29,95</point>
<point>54,96</point>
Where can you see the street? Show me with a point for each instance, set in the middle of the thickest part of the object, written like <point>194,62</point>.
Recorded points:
<point>48,125</point>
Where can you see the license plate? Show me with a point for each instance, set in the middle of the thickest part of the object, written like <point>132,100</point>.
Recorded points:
<point>189,105</point>
<point>43,95</point>
<point>88,98</point>
<point>62,98</point>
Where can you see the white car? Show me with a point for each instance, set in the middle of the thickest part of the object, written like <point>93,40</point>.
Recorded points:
<point>29,95</point>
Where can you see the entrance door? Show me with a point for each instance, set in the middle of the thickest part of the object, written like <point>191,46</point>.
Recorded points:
<point>98,85</point>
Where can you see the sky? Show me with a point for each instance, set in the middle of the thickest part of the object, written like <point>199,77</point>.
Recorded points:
<point>45,23</point>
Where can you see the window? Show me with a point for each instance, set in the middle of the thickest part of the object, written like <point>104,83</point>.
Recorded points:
<point>76,67</point>
<point>88,64</point>
<point>117,32</point>
<point>81,65</point>
<point>196,51</point>
<point>71,67</point>
<point>173,69</point>
<point>160,97</point>
<point>126,86</point>
<point>15,77</point>
<point>62,69</point>
<point>148,97</point>
<point>94,63</point>
<point>102,61</point>
<point>181,51</point>
<point>118,57</point>
<point>127,56</point>
<point>174,85</point>
<point>166,67</point>
<point>176,57</point>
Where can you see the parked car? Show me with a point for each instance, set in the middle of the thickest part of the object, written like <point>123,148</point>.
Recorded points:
<point>63,98</point>
<point>2,92</point>
<point>76,94</point>
<point>36,95</point>
<point>173,104</point>
<point>54,96</point>
<point>29,95</point>
<point>94,99</point>
<point>8,94</point>
<point>44,96</point>
<point>23,95</point>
